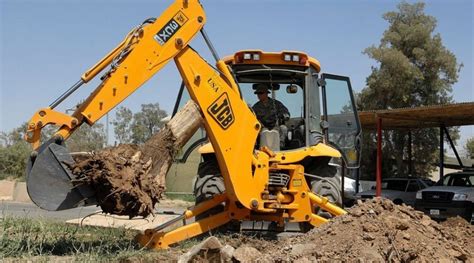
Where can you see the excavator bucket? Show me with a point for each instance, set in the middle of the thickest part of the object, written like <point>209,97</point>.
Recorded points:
<point>48,179</point>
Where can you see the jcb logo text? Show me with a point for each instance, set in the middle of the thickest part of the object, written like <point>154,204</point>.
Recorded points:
<point>221,111</point>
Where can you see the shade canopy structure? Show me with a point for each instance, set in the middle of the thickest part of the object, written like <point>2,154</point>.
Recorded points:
<point>440,116</point>
<point>458,114</point>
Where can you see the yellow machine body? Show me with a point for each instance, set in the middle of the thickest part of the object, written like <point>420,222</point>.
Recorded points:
<point>232,128</point>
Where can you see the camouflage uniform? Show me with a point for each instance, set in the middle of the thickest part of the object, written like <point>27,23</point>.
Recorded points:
<point>266,114</point>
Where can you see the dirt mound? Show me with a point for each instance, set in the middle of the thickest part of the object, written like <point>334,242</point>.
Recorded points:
<point>455,222</point>
<point>462,229</point>
<point>121,179</point>
<point>376,230</point>
<point>382,231</point>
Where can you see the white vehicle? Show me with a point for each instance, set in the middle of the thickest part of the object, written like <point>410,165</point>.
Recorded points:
<point>401,190</point>
<point>452,196</point>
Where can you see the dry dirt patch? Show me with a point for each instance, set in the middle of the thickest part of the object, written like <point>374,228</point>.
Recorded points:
<point>376,230</point>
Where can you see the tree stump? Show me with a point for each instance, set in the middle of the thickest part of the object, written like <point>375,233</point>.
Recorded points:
<point>130,179</point>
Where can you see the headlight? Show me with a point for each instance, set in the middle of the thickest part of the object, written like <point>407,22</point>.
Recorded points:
<point>460,197</point>
<point>419,195</point>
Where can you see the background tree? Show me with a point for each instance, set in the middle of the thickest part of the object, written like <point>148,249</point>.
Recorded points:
<point>123,125</point>
<point>413,69</point>
<point>14,151</point>
<point>87,138</point>
<point>147,122</point>
<point>470,147</point>
<point>14,136</point>
<point>138,127</point>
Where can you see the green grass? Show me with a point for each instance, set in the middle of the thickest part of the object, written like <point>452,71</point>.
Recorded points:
<point>36,238</point>
<point>184,197</point>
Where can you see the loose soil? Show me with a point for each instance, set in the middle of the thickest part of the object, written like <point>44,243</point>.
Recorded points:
<point>128,179</point>
<point>121,179</point>
<point>376,230</point>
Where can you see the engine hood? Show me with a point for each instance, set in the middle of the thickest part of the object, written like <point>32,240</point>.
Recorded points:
<point>451,189</point>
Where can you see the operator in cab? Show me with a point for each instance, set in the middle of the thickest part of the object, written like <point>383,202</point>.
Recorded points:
<point>272,114</point>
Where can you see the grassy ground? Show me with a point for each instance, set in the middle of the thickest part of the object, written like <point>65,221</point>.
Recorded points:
<point>184,197</point>
<point>42,241</point>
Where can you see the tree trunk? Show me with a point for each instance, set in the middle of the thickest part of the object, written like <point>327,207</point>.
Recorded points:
<point>163,146</point>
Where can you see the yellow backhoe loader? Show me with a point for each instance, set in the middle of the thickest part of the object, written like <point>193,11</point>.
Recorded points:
<point>241,177</point>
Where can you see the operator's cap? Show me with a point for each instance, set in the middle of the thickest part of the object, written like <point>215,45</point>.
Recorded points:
<point>263,87</point>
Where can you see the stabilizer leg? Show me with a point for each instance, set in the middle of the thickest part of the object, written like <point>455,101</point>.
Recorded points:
<point>157,238</point>
<point>326,205</point>
<point>161,240</point>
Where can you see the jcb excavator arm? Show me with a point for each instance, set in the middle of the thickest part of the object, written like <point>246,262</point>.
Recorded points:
<point>144,51</point>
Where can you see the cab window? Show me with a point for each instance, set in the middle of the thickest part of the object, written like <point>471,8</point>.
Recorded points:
<point>413,186</point>
<point>398,185</point>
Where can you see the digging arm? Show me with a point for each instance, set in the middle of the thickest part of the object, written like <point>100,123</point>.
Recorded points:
<point>145,50</point>
<point>230,125</point>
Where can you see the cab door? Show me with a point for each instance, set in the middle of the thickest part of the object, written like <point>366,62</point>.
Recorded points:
<point>339,110</point>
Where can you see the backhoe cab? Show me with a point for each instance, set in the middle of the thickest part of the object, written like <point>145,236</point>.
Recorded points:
<point>291,182</point>
<point>318,103</point>
<point>322,115</point>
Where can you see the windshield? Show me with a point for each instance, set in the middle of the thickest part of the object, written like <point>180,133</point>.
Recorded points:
<point>429,182</point>
<point>292,101</point>
<point>399,185</point>
<point>459,179</point>
<point>276,94</point>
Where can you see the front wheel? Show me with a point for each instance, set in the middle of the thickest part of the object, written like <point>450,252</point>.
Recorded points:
<point>208,183</point>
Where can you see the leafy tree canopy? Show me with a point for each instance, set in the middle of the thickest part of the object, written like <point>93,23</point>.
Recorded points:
<point>138,127</point>
<point>470,147</point>
<point>414,68</point>
<point>15,151</point>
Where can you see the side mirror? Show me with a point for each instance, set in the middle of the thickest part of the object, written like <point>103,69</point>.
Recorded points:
<point>321,82</point>
<point>324,124</point>
<point>292,89</point>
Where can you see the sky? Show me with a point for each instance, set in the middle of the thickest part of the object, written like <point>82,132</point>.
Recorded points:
<point>46,45</point>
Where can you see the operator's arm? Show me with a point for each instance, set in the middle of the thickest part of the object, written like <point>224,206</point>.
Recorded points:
<point>145,50</point>
<point>257,110</point>
<point>265,114</point>
<point>283,113</point>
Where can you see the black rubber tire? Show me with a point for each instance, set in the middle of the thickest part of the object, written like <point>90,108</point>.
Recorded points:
<point>207,186</point>
<point>329,187</point>
<point>208,183</point>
